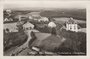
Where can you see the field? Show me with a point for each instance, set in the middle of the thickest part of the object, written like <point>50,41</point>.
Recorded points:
<point>14,39</point>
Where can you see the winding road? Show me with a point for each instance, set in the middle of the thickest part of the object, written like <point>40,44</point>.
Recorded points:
<point>18,50</point>
<point>25,45</point>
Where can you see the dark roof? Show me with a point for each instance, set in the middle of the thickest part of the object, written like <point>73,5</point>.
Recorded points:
<point>71,21</point>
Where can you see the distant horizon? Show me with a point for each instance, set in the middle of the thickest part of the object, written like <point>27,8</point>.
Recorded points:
<point>43,5</point>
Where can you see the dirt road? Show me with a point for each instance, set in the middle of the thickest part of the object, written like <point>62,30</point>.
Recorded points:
<point>17,50</point>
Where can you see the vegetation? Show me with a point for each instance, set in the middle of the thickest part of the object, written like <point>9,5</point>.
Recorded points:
<point>20,28</point>
<point>43,29</point>
<point>82,25</point>
<point>53,31</point>
<point>14,39</point>
<point>75,13</point>
<point>75,42</point>
<point>32,39</point>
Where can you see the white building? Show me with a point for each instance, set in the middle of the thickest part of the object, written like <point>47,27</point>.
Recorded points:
<point>30,17</point>
<point>51,24</point>
<point>43,19</point>
<point>72,25</point>
<point>8,11</point>
<point>28,26</point>
<point>34,15</point>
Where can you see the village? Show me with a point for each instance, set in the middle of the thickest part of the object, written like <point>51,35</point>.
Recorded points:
<point>32,34</point>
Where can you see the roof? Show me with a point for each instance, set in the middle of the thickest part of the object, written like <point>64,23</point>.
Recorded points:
<point>71,21</point>
<point>28,24</point>
<point>44,19</point>
<point>52,24</point>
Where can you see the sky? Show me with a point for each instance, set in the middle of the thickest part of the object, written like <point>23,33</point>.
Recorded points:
<point>42,4</point>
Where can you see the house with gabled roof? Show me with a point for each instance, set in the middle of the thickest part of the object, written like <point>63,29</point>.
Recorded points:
<point>28,26</point>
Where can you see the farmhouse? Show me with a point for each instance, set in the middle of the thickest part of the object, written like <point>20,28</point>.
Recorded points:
<point>28,26</point>
<point>43,19</point>
<point>51,24</point>
<point>72,25</point>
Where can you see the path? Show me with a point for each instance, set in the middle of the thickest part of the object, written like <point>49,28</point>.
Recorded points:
<point>25,45</point>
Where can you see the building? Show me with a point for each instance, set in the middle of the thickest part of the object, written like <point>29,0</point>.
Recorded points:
<point>51,24</point>
<point>28,26</point>
<point>8,12</point>
<point>44,19</point>
<point>8,19</point>
<point>22,17</point>
<point>72,25</point>
<point>34,15</point>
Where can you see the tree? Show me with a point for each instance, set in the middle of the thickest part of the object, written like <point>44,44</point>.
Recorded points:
<point>32,39</point>
<point>53,31</point>
<point>33,35</point>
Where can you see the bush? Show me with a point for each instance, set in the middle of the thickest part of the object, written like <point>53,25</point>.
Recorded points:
<point>33,35</point>
<point>44,29</point>
<point>53,31</point>
<point>82,25</point>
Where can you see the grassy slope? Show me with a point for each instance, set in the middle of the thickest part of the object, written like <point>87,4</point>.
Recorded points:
<point>14,39</point>
<point>75,41</point>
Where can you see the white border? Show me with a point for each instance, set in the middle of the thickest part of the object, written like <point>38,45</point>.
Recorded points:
<point>87,3</point>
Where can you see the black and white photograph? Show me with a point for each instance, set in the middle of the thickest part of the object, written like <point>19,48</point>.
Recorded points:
<point>49,28</point>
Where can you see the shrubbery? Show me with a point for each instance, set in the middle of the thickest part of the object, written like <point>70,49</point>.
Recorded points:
<point>82,25</point>
<point>44,29</point>
<point>33,38</point>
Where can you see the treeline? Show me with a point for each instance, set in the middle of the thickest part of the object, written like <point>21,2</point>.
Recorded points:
<point>77,13</point>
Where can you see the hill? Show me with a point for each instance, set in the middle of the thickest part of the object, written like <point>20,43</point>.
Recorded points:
<point>75,13</point>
